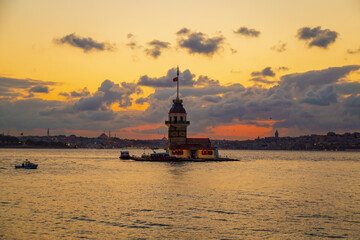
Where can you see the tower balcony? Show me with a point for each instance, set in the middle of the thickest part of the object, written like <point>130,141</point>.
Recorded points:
<point>168,123</point>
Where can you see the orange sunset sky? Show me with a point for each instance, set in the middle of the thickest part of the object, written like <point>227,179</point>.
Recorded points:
<point>247,67</point>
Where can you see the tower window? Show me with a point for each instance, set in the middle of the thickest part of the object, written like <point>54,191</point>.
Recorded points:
<point>181,119</point>
<point>170,119</point>
<point>175,120</point>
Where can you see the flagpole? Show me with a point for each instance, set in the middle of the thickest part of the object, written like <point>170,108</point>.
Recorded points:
<point>178,83</point>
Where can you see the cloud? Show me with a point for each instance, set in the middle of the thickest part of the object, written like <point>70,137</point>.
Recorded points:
<point>76,94</point>
<point>107,94</point>
<point>64,94</point>
<point>315,79</point>
<point>312,102</point>
<point>39,89</point>
<point>186,79</point>
<point>199,43</point>
<point>85,43</point>
<point>132,44</point>
<point>233,51</point>
<point>157,47</point>
<point>308,102</point>
<point>262,80</point>
<point>141,100</point>
<point>212,99</point>
<point>355,51</point>
<point>280,47</point>
<point>266,72</point>
<point>206,81</point>
<point>82,93</point>
<point>322,97</point>
<point>317,37</point>
<point>14,87</point>
<point>184,31</point>
<point>282,68</point>
<point>347,88</point>
<point>247,32</point>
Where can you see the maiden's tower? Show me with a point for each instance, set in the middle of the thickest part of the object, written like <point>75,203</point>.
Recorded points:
<point>179,145</point>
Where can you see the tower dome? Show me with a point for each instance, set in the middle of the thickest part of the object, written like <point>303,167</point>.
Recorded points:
<point>177,107</point>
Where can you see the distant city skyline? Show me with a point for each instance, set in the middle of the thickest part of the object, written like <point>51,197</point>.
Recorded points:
<point>247,68</point>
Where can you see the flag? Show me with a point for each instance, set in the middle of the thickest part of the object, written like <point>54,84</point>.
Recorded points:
<point>175,79</point>
<point>22,134</point>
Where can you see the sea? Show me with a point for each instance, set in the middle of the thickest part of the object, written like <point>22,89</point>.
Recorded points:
<point>92,194</point>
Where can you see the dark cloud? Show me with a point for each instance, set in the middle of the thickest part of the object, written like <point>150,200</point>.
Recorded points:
<point>247,32</point>
<point>97,115</point>
<point>85,43</point>
<point>186,79</point>
<point>13,87</point>
<point>108,93</point>
<point>233,51</point>
<point>356,51</point>
<point>322,97</point>
<point>317,37</point>
<point>184,31</point>
<point>262,80</point>
<point>283,68</point>
<point>266,72</point>
<point>198,42</point>
<point>308,102</point>
<point>156,48</point>
<point>280,47</point>
<point>76,94</point>
<point>188,91</point>
<point>39,89</point>
<point>206,81</point>
<point>212,99</point>
<point>315,79</point>
<point>141,100</point>
<point>132,44</point>
<point>64,94</point>
<point>312,101</point>
<point>82,93</point>
<point>347,88</point>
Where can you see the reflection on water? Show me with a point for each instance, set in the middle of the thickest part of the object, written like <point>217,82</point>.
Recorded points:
<point>92,194</point>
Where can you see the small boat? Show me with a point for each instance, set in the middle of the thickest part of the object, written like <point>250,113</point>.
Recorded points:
<point>124,155</point>
<point>27,165</point>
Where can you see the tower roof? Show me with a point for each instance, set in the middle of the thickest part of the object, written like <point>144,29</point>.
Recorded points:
<point>177,107</point>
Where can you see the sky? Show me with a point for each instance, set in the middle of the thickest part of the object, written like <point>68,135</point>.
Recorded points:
<point>247,67</point>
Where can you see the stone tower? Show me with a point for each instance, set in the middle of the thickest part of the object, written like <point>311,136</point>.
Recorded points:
<point>177,124</point>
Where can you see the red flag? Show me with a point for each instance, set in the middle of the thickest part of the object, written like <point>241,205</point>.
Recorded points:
<point>22,134</point>
<point>175,79</point>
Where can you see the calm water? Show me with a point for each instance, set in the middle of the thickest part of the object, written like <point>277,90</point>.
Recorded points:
<point>92,194</point>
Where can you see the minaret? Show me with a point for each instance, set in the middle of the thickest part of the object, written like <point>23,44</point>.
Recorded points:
<point>276,134</point>
<point>177,123</point>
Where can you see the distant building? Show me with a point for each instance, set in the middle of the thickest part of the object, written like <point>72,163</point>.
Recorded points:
<point>276,134</point>
<point>103,136</point>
